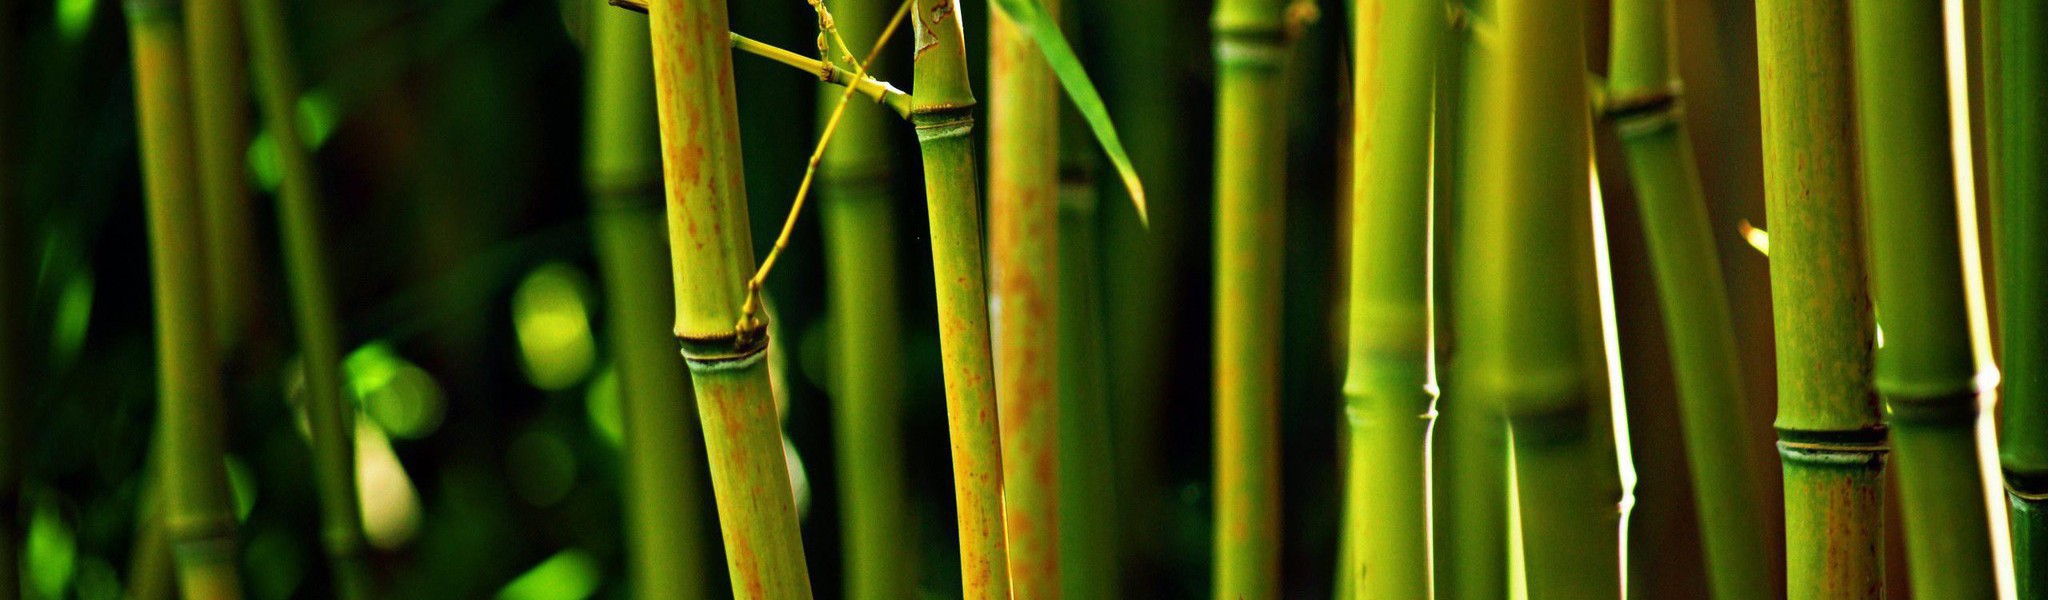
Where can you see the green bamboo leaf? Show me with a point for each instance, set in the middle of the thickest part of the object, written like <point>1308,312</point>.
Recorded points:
<point>1044,31</point>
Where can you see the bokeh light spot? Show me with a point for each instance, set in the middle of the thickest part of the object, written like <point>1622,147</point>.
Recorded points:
<point>391,505</point>
<point>243,482</point>
<point>51,551</point>
<point>553,324</point>
<point>601,404</point>
<point>568,575</point>
<point>73,18</point>
<point>541,466</point>
<point>73,318</point>
<point>398,396</point>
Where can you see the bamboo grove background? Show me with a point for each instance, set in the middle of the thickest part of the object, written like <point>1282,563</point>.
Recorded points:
<point>451,212</point>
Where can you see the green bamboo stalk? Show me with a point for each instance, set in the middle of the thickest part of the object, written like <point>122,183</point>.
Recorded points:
<point>1023,237</point>
<point>662,448</point>
<point>2021,127</point>
<point>150,573</point>
<point>1528,307</point>
<point>860,234</point>
<point>1644,104</point>
<point>328,415</point>
<point>712,257</point>
<point>199,518</point>
<point>1389,387</point>
<point>1927,366</point>
<point>1831,436</point>
<point>1089,562</point>
<point>942,109</point>
<point>1251,46</point>
<point>1471,534</point>
<point>220,119</point>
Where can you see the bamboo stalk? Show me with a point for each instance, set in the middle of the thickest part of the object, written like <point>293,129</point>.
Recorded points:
<point>328,415</point>
<point>662,444</point>
<point>1471,534</point>
<point>1831,437</point>
<point>1389,387</point>
<point>1023,205</point>
<point>942,109</point>
<point>220,120</point>
<point>198,515</point>
<point>860,234</point>
<point>1251,46</point>
<point>2021,128</point>
<point>860,231</point>
<point>1644,104</point>
<point>1927,366</point>
<point>1528,304</point>
<point>1090,565</point>
<point>712,257</point>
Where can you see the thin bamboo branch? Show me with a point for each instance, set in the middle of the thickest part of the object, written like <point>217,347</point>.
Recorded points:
<point>711,257</point>
<point>328,415</point>
<point>1831,436</point>
<point>2020,125</point>
<point>662,446</point>
<point>943,112</point>
<point>1389,388</point>
<point>1023,205</point>
<point>1251,46</point>
<point>198,516</point>
<point>1928,367</point>
<point>1642,101</point>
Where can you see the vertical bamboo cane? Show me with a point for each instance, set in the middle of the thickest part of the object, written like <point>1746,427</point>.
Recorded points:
<point>1251,46</point>
<point>662,448</point>
<point>712,257</point>
<point>198,515</point>
<point>1527,305</point>
<point>1927,367</point>
<point>1090,564</point>
<point>220,119</point>
<point>1831,438</point>
<point>942,109</point>
<point>1023,206</point>
<point>1389,388</point>
<point>330,418</point>
<point>1470,440</point>
<point>1643,102</point>
<point>860,233</point>
<point>2021,124</point>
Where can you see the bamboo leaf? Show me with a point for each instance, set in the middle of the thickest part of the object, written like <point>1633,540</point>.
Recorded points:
<point>1044,31</point>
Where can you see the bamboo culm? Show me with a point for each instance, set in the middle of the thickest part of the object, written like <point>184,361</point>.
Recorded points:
<point>711,258</point>
<point>1023,271</point>
<point>2020,124</point>
<point>1928,366</point>
<point>220,120</point>
<point>198,516</point>
<point>942,110</point>
<point>1831,434</point>
<point>1090,565</point>
<point>1389,387</point>
<point>1251,159</point>
<point>1527,304</point>
<point>859,228</point>
<point>330,418</point>
<point>662,444</point>
<point>1644,106</point>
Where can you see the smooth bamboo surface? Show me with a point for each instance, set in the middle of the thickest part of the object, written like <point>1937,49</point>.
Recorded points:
<point>1090,564</point>
<point>1023,273</point>
<point>2020,125</point>
<point>220,121</point>
<point>1389,387</point>
<point>1644,102</point>
<point>1251,160</point>
<point>711,258</point>
<point>942,111</point>
<point>1527,303</point>
<point>198,512</point>
<point>1926,366</point>
<point>1831,435</point>
<point>856,212</point>
<point>662,446</point>
<point>329,416</point>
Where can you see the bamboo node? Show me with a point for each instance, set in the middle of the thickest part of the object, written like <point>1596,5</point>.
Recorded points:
<point>2031,487</point>
<point>728,350</point>
<point>638,6</point>
<point>1850,448</point>
<point>1638,112</point>
<point>941,122</point>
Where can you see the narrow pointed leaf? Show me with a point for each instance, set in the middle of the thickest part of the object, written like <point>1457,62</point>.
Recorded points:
<point>1031,17</point>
